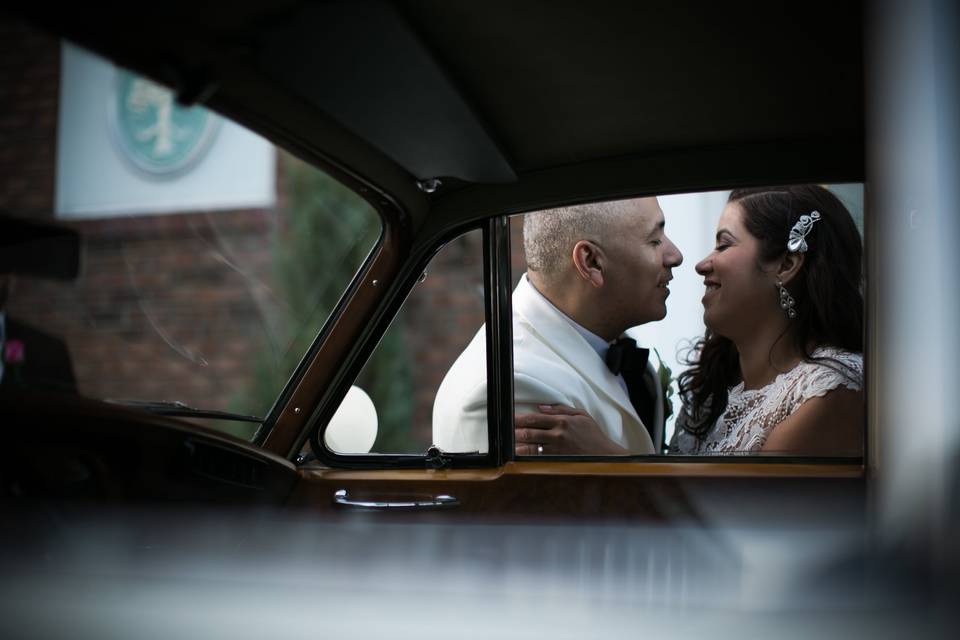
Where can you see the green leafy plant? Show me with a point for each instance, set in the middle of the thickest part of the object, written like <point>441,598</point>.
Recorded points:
<point>666,384</point>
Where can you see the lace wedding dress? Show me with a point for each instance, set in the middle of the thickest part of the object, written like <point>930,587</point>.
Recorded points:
<point>752,414</point>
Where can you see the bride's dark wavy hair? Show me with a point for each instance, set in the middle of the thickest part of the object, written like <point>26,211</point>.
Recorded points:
<point>827,290</point>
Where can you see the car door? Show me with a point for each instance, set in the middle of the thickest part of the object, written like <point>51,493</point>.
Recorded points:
<point>435,169</point>
<point>429,482</point>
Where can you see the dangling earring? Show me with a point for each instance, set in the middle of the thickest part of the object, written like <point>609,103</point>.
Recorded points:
<point>786,301</point>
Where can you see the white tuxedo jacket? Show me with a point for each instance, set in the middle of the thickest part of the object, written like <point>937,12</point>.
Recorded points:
<point>552,364</point>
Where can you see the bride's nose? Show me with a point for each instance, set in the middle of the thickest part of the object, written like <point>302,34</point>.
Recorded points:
<point>705,266</point>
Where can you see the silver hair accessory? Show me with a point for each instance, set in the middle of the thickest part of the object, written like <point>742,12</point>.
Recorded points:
<point>787,302</point>
<point>797,243</point>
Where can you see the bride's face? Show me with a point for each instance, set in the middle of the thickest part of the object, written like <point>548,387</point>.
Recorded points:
<point>740,292</point>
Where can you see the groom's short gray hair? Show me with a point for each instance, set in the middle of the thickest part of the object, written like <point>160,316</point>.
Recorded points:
<point>549,235</point>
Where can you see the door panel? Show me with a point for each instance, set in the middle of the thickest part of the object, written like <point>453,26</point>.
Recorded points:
<point>710,493</point>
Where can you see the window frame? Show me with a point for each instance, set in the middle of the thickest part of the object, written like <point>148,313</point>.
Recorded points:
<point>284,429</point>
<point>498,323</point>
<point>499,338</point>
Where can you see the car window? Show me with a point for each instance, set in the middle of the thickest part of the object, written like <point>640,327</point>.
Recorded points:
<point>564,323</point>
<point>406,378</point>
<point>209,259</point>
<point>435,352</point>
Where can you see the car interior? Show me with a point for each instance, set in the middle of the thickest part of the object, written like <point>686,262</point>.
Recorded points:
<point>434,114</point>
<point>428,129</point>
<point>248,305</point>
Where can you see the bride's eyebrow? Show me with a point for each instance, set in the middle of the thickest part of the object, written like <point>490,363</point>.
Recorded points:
<point>721,232</point>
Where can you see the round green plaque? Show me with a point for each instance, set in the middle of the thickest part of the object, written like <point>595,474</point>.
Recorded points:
<point>154,132</point>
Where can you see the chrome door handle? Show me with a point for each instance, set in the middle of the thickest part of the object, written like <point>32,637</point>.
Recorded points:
<point>439,502</point>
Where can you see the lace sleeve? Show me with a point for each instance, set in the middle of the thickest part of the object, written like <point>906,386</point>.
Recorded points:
<point>752,414</point>
<point>831,370</point>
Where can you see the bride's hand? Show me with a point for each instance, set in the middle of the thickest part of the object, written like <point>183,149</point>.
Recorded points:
<point>561,430</point>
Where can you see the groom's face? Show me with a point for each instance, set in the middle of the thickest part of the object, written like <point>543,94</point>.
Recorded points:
<point>642,258</point>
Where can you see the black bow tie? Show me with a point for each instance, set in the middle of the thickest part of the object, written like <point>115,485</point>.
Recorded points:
<point>624,356</point>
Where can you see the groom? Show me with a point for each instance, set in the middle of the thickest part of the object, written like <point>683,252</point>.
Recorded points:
<point>593,272</point>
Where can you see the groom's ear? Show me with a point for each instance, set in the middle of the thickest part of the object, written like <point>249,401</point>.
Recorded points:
<point>589,261</point>
<point>789,266</point>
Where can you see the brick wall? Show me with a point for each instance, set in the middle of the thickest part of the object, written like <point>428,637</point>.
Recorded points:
<point>163,317</point>
<point>29,83</point>
<point>158,311</point>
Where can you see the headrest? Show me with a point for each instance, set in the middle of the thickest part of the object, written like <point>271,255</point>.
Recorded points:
<point>38,249</point>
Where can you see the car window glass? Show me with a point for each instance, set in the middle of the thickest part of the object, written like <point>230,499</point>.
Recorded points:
<point>209,259</point>
<point>407,376</point>
<point>560,361</point>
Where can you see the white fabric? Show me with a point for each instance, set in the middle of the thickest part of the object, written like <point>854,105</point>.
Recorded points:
<point>599,345</point>
<point>552,363</point>
<point>751,415</point>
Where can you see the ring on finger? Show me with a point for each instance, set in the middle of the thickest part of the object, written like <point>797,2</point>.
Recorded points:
<point>539,449</point>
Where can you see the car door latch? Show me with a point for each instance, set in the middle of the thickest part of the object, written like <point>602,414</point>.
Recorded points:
<point>436,458</point>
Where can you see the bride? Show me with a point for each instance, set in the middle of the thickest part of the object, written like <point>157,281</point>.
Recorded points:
<point>780,368</point>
